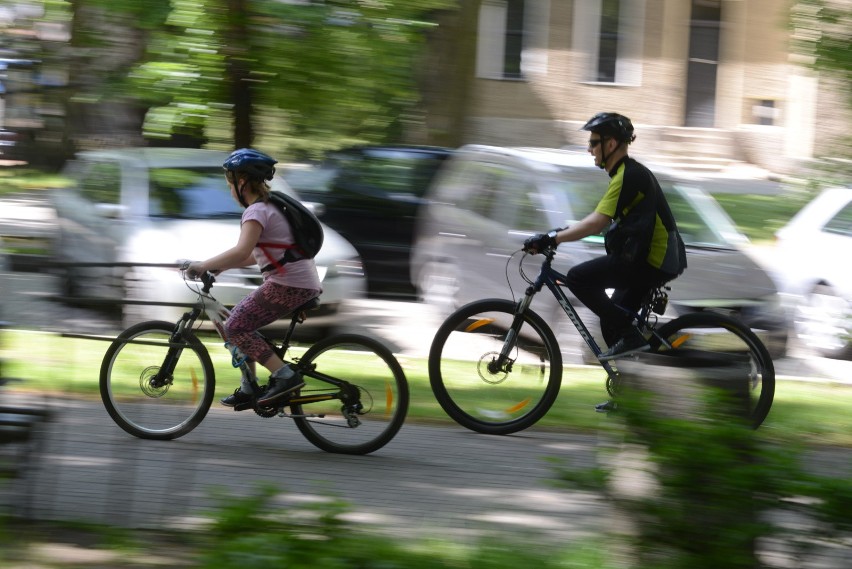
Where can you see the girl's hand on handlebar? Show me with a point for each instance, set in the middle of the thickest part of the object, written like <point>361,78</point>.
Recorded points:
<point>194,270</point>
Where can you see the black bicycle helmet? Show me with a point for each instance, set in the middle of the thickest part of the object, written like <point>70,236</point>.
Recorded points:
<point>253,163</point>
<point>611,125</point>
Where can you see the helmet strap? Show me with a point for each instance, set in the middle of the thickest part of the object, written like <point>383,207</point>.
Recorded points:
<point>604,155</point>
<point>241,183</point>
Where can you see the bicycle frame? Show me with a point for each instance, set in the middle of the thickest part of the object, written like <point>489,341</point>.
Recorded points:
<point>218,313</point>
<point>554,281</point>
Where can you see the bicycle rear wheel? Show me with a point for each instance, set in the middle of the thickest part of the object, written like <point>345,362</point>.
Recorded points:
<point>494,402</point>
<point>382,390</point>
<point>717,338</point>
<point>131,394</point>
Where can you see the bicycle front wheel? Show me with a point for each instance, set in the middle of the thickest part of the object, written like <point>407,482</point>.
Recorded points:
<point>135,397</point>
<point>711,338</point>
<point>482,398</point>
<point>374,415</point>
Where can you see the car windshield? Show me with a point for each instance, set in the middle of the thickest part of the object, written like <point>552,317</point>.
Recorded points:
<point>191,193</point>
<point>700,219</point>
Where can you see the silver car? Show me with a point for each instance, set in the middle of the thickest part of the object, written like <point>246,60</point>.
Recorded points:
<point>487,200</point>
<point>135,208</point>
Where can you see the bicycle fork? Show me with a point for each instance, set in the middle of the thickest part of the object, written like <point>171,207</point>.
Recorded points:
<point>503,363</point>
<point>165,375</point>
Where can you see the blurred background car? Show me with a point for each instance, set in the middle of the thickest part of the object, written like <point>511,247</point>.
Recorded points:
<point>487,200</point>
<point>8,139</point>
<point>371,195</point>
<point>145,206</point>
<point>814,251</point>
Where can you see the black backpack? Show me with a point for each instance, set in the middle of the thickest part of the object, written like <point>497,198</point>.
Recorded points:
<point>306,228</point>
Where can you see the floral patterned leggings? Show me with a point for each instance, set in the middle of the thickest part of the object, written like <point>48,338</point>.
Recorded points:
<point>269,302</point>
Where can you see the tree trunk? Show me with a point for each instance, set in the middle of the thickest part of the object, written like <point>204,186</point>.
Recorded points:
<point>238,73</point>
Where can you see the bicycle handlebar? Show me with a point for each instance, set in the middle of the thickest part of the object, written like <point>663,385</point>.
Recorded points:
<point>549,252</point>
<point>207,279</point>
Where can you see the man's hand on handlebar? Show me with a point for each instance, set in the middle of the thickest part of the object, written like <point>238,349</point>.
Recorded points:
<point>541,242</point>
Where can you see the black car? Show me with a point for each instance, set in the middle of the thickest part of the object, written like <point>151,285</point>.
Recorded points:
<point>8,139</point>
<point>371,196</point>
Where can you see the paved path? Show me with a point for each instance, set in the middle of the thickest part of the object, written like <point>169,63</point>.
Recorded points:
<point>429,481</point>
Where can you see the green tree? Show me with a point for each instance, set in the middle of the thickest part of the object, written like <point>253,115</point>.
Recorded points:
<point>822,32</point>
<point>297,77</point>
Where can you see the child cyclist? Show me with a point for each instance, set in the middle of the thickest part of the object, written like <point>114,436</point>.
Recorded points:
<point>285,286</point>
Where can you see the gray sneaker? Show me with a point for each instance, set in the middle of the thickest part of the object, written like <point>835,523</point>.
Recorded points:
<point>281,383</point>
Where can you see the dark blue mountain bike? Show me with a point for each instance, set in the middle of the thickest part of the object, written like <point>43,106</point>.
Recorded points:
<point>495,365</point>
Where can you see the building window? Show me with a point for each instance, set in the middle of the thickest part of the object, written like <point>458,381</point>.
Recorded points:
<point>608,46</point>
<point>608,35</point>
<point>512,38</point>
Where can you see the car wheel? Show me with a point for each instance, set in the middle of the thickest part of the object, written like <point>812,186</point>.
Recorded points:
<point>823,323</point>
<point>439,285</point>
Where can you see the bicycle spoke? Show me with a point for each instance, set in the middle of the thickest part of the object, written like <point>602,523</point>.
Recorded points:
<point>718,345</point>
<point>146,402</point>
<point>373,405</point>
<point>479,391</point>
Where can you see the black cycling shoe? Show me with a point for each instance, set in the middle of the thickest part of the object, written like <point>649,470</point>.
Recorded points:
<point>606,407</point>
<point>632,343</point>
<point>280,387</point>
<point>238,398</point>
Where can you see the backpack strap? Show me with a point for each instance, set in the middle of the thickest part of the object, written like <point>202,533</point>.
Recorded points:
<point>292,253</point>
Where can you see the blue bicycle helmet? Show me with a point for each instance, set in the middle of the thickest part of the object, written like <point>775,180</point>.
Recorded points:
<point>253,163</point>
<point>613,125</point>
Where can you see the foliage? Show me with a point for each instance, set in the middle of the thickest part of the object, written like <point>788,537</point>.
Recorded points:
<point>294,78</point>
<point>822,33</point>
<point>718,491</point>
<point>253,532</point>
<point>318,72</point>
<point>821,36</point>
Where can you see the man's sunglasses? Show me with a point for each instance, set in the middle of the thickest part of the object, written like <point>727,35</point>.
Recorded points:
<point>595,142</point>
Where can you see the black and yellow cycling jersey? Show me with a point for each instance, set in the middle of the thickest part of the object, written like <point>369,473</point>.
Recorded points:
<point>634,191</point>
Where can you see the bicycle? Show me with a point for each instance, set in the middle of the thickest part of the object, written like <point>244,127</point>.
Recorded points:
<point>495,365</point>
<point>157,381</point>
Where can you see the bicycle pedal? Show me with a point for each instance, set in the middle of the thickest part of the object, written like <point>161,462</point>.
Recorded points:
<point>244,406</point>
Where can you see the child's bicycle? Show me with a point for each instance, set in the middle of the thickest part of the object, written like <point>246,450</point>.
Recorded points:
<point>495,365</point>
<point>157,381</point>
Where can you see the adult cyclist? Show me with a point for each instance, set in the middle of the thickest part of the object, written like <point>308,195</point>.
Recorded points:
<point>644,249</point>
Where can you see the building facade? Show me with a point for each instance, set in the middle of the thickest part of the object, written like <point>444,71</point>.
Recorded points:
<point>706,82</point>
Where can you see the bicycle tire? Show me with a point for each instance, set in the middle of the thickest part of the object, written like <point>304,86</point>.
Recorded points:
<point>372,367</point>
<point>700,333</point>
<point>149,412</point>
<point>494,403</point>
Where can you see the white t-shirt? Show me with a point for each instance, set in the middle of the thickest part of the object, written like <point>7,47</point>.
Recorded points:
<point>276,229</point>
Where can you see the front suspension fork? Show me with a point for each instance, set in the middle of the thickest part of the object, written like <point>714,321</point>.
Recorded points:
<point>503,363</point>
